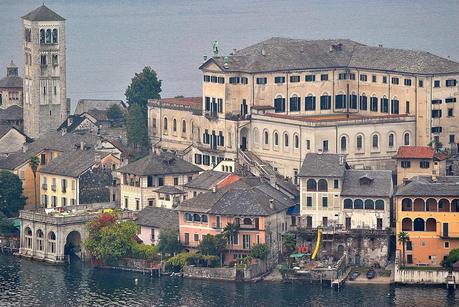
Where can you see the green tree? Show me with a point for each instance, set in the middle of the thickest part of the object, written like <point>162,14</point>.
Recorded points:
<point>259,251</point>
<point>403,237</point>
<point>452,258</point>
<point>207,245</point>
<point>168,241</point>
<point>110,240</point>
<point>437,146</point>
<point>33,163</point>
<point>136,126</point>
<point>289,243</point>
<point>144,86</point>
<point>11,198</point>
<point>6,225</point>
<point>115,114</point>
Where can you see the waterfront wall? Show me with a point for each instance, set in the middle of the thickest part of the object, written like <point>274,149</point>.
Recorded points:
<point>425,277</point>
<point>210,273</point>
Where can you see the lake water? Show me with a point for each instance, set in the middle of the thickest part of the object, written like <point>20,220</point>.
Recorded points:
<point>27,283</point>
<point>108,40</point>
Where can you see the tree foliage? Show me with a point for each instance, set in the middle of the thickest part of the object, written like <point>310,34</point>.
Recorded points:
<point>137,127</point>
<point>144,86</point>
<point>168,241</point>
<point>11,197</point>
<point>212,245</point>
<point>259,251</point>
<point>109,240</point>
<point>115,114</point>
<point>289,243</point>
<point>6,225</point>
<point>452,258</point>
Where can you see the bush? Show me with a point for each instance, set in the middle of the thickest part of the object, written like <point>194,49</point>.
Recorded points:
<point>142,251</point>
<point>259,251</point>
<point>453,257</point>
<point>180,260</point>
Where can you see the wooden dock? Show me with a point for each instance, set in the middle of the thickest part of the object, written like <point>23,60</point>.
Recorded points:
<point>337,283</point>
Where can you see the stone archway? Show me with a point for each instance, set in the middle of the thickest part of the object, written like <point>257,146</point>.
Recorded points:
<point>244,139</point>
<point>73,244</point>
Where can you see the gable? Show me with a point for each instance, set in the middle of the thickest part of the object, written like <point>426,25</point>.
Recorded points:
<point>210,65</point>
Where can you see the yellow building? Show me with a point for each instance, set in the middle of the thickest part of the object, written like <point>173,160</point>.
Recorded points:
<point>419,161</point>
<point>282,98</point>
<point>82,176</point>
<point>46,149</point>
<point>427,209</point>
<point>155,180</point>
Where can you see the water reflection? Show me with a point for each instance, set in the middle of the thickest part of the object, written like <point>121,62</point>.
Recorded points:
<point>27,283</point>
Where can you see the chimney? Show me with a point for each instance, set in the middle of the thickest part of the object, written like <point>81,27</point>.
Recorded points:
<point>97,158</point>
<point>225,62</point>
<point>380,45</point>
<point>205,58</point>
<point>25,147</point>
<point>69,121</point>
<point>263,51</point>
<point>271,204</point>
<point>63,131</point>
<point>214,189</point>
<point>341,160</point>
<point>81,145</point>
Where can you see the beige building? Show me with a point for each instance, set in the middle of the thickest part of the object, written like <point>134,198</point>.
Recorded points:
<point>332,195</point>
<point>78,177</point>
<point>11,88</point>
<point>282,98</point>
<point>155,181</point>
<point>415,161</point>
<point>45,101</point>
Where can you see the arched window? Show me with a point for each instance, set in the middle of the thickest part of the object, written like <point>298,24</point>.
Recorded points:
<point>358,204</point>
<point>174,125</point>
<point>279,104</point>
<point>384,105</point>
<point>196,217</point>
<point>395,106</point>
<point>407,224</point>
<point>322,185</point>
<point>55,36</point>
<point>51,242</point>
<point>48,36</point>
<point>340,101</point>
<point>391,140</point>
<point>363,102</point>
<point>165,123</point>
<point>40,243</point>
<point>379,204</point>
<point>419,204</point>
<point>348,203</point>
<point>247,221</point>
<point>418,224</point>
<point>42,36</point>
<point>285,140</point>
<point>443,205</point>
<point>359,142</point>
<point>407,204</point>
<point>204,218</point>
<point>188,217</point>
<point>296,140</point>
<point>455,205</point>
<point>406,139</point>
<point>369,204</point>
<point>431,225</point>
<point>276,139</point>
<point>353,102</point>
<point>343,144</point>
<point>266,137</point>
<point>183,126</point>
<point>295,103</point>
<point>375,141</point>
<point>311,185</point>
<point>28,238</point>
<point>431,205</point>
<point>310,103</point>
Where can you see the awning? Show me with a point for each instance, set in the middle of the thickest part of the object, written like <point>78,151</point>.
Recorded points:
<point>297,255</point>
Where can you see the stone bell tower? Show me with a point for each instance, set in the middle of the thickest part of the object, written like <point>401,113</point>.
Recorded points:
<point>44,99</point>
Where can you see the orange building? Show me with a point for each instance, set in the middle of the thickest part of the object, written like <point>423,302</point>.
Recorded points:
<point>428,210</point>
<point>259,209</point>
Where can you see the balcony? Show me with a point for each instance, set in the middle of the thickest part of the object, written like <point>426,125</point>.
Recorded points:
<point>44,186</point>
<point>53,187</point>
<point>216,226</point>
<point>248,227</point>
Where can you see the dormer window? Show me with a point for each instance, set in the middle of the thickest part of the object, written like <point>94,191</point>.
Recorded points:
<point>365,180</point>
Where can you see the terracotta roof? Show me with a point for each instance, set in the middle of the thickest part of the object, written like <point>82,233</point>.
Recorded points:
<point>415,152</point>
<point>190,101</point>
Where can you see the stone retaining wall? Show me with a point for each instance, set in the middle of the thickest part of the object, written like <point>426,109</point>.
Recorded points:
<point>210,273</point>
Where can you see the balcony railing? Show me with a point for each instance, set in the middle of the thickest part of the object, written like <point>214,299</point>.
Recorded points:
<point>216,226</point>
<point>53,187</point>
<point>248,226</point>
<point>44,186</point>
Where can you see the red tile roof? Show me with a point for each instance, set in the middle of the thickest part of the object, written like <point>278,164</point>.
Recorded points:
<point>415,152</point>
<point>227,181</point>
<point>184,101</point>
